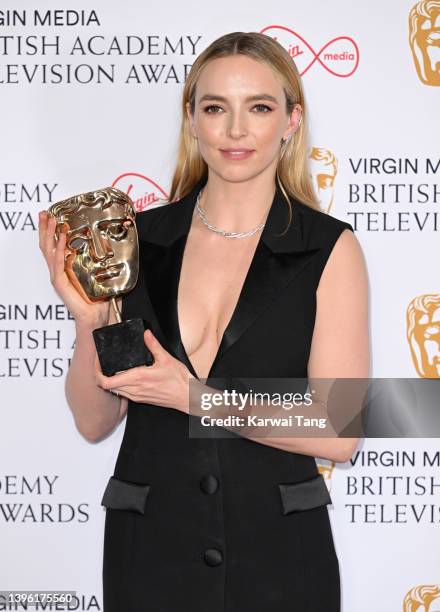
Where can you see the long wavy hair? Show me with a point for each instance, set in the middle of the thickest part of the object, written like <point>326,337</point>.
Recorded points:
<point>292,172</point>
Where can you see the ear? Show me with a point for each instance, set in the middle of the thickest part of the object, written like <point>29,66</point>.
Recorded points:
<point>295,120</point>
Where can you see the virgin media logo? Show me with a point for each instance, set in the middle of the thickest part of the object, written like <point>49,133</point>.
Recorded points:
<point>340,56</point>
<point>144,192</point>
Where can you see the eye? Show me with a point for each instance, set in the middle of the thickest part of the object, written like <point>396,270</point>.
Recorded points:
<point>266,109</point>
<point>77,243</point>
<point>206,109</point>
<point>118,230</point>
<point>263,106</point>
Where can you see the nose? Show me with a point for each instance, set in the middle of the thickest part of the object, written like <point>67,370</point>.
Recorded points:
<point>237,124</point>
<point>100,248</point>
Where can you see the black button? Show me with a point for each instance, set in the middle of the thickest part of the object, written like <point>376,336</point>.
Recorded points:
<point>213,557</point>
<point>209,484</point>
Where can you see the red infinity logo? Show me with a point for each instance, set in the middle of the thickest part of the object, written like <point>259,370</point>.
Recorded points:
<point>340,52</point>
<point>144,192</point>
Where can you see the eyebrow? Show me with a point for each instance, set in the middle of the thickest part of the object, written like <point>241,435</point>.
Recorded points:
<point>81,228</point>
<point>262,96</point>
<point>77,230</point>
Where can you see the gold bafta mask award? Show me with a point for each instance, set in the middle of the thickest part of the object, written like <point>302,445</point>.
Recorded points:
<point>102,262</point>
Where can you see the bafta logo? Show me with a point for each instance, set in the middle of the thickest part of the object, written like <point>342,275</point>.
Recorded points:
<point>101,260</point>
<point>326,467</point>
<point>324,167</point>
<point>422,598</point>
<point>423,334</point>
<point>424,40</point>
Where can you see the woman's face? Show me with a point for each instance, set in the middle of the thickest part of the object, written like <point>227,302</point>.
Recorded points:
<point>240,104</point>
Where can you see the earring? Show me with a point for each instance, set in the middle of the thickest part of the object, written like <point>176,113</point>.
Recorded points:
<point>283,147</point>
<point>286,140</point>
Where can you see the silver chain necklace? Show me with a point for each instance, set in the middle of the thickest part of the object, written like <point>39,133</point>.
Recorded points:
<point>220,231</point>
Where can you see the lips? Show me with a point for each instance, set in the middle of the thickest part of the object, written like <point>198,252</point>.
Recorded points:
<point>109,272</point>
<point>236,153</point>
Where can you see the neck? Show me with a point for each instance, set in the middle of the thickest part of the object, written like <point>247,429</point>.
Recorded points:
<point>237,206</point>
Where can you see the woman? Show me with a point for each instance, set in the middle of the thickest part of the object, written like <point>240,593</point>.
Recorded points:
<point>212,523</point>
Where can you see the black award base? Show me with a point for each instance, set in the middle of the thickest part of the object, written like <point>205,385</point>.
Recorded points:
<point>121,346</point>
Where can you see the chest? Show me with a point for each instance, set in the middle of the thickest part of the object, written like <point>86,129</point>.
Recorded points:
<point>246,309</point>
<point>213,272</point>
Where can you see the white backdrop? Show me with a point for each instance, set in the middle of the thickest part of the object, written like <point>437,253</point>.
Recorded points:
<point>67,128</point>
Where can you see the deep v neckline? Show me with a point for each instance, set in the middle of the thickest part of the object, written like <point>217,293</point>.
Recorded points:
<point>244,285</point>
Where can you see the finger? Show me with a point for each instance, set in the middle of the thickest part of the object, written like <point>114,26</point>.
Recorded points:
<point>42,228</point>
<point>114,392</point>
<point>129,378</point>
<point>126,395</point>
<point>58,263</point>
<point>133,377</point>
<point>100,378</point>
<point>133,389</point>
<point>153,344</point>
<point>50,230</point>
<point>132,394</point>
<point>50,242</point>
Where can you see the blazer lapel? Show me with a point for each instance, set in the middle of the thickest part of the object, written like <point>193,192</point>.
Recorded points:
<point>276,262</point>
<point>161,267</point>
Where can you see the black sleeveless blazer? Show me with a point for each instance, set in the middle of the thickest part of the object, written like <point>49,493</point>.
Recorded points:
<point>223,523</point>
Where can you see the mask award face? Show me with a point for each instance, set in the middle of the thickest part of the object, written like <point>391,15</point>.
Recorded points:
<point>101,258</point>
<point>102,262</point>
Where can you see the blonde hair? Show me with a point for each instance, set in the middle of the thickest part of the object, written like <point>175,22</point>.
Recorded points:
<point>292,170</point>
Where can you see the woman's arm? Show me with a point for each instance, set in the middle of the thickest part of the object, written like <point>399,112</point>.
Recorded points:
<point>96,412</point>
<point>340,343</point>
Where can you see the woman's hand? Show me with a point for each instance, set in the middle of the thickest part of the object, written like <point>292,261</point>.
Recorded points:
<point>165,383</point>
<point>93,315</point>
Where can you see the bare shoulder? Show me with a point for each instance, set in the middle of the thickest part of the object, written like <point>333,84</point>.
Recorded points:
<point>345,267</point>
<point>340,345</point>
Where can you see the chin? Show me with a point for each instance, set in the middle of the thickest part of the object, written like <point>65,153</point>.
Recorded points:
<point>237,175</point>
